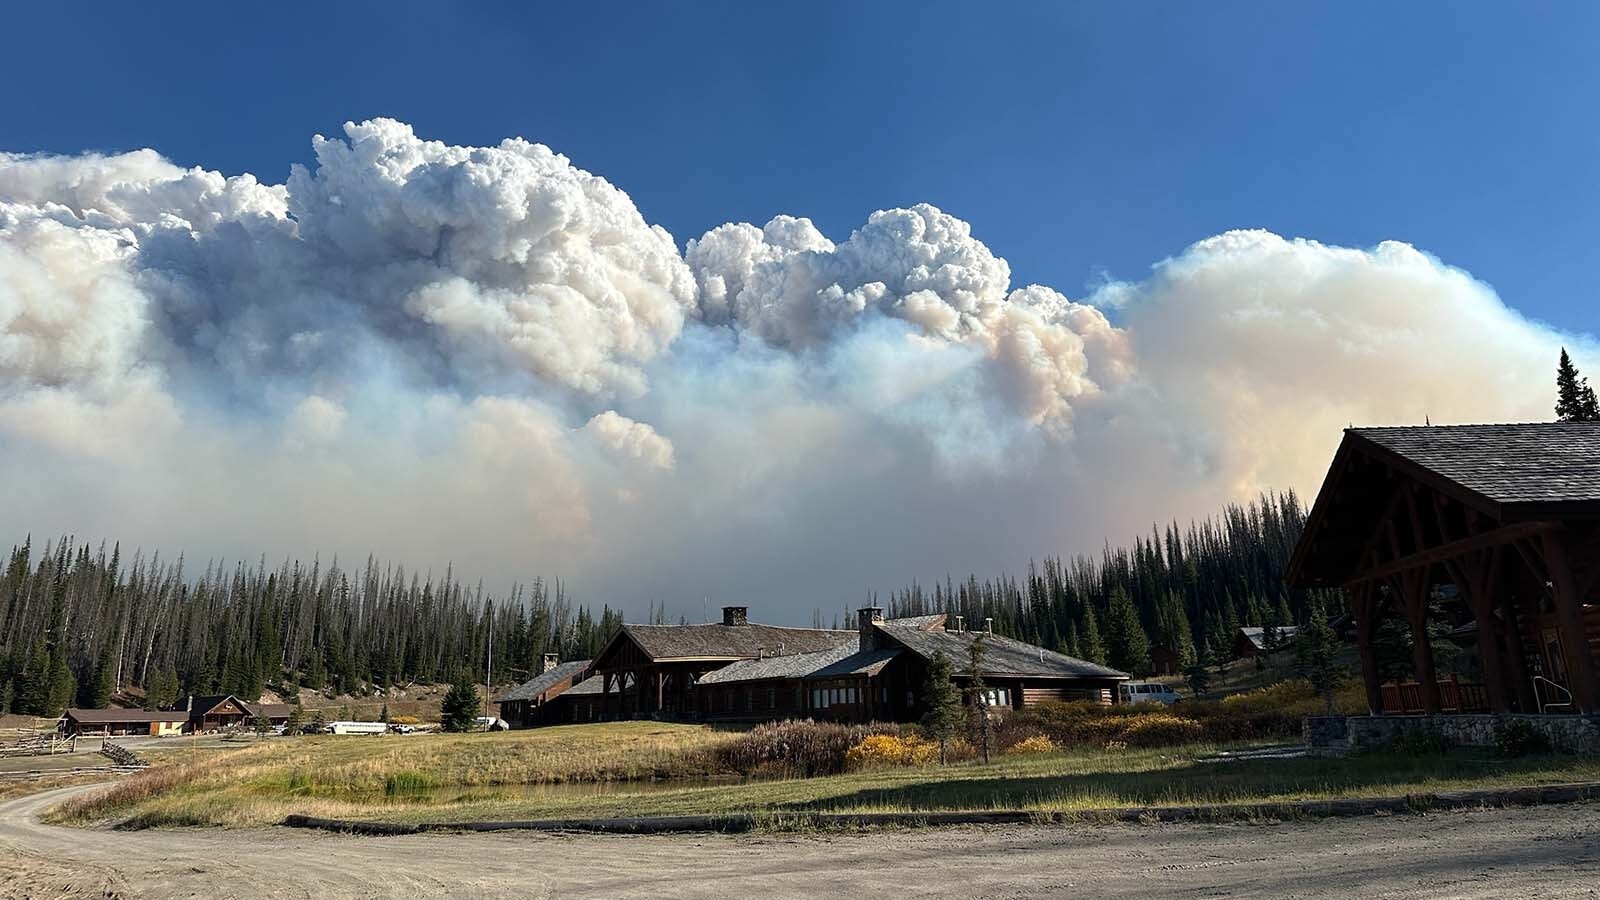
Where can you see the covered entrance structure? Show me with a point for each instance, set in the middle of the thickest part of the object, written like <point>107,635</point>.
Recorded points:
<point>1502,519</point>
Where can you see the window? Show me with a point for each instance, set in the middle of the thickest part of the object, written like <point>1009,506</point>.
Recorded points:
<point>816,698</point>
<point>850,695</point>
<point>772,698</point>
<point>749,699</point>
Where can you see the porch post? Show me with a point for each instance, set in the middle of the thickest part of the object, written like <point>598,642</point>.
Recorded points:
<point>1366,607</point>
<point>1480,600</point>
<point>1569,618</point>
<point>1416,600</point>
<point>1514,657</point>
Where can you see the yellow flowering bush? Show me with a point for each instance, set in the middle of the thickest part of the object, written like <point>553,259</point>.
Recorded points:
<point>882,750</point>
<point>1037,744</point>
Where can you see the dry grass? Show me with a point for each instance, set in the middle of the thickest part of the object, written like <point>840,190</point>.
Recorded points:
<point>333,774</point>
<point>578,771</point>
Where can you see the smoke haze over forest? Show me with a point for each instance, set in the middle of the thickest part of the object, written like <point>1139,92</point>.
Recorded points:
<point>489,356</point>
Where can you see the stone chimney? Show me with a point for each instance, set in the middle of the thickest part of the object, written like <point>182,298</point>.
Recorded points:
<point>735,615</point>
<point>550,661</point>
<point>867,619</point>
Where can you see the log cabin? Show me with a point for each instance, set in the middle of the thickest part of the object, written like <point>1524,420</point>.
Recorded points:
<point>740,671</point>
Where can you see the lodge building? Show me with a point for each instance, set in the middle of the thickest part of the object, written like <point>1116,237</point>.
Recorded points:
<point>737,670</point>
<point>1495,528</point>
<point>190,715</point>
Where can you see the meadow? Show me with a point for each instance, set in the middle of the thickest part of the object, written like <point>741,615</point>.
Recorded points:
<point>646,768</point>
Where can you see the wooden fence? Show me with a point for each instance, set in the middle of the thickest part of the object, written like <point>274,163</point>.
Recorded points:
<point>120,755</point>
<point>43,744</point>
<point>36,774</point>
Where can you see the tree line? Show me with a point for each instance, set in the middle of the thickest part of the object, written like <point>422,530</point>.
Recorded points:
<point>78,624</point>
<point>1187,590</point>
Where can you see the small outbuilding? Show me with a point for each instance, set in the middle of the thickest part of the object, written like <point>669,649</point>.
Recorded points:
<point>110,722</point>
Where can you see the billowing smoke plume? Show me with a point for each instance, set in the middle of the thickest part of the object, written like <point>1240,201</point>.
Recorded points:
<point>488,355</point>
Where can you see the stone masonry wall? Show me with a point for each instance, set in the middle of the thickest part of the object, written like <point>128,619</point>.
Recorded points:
<point>1568,734</point>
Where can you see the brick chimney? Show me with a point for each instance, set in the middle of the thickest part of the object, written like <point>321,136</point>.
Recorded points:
<point>550,661</point>
<point>735,615</point>
<point>867,619</point>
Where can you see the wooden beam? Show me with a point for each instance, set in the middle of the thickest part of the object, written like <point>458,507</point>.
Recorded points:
<point>1504,535</point>
<point>1585,685</point>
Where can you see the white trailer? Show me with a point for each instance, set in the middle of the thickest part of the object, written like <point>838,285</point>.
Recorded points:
<point>357,728</point>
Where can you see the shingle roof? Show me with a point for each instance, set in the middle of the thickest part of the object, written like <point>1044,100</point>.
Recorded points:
<point>544,681</point>
<point>717,641</point>
<point>918,621</point>
<point>1257,636</point>
<point>103,716</point>
<point>1002,656</point>
<point>864,662</point>
<point>794,665</point>
<point>1539,462</point>
<point>591,685</point>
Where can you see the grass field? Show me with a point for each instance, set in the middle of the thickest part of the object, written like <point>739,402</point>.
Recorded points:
<point>609,770</point>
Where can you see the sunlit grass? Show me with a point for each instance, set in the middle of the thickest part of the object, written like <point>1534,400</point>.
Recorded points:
<point>614,770</point>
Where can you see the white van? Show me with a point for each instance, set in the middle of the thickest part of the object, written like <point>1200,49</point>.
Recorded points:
<point>1147,692</point>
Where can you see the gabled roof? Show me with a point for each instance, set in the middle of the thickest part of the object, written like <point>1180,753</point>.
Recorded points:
<point>108,716</point>
<point>1507,473</point>
<point>1002,655</point>
<point>793,665</point>
<point>1528,463</point>
<point>717,641</point>
<point>1258,636</point>
<point>545,680</point>
<point>201,705</point>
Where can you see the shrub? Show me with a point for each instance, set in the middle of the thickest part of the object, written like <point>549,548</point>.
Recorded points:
<point>1039,743</point>
<point>1418,742</point>
<point>1518,737</point>
<point>1161,730</point>
<point>796,748</point>
<point>881,750</point>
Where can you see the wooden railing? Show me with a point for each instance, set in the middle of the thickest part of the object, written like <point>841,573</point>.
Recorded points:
<point>1455,696</point>
<point>43,744</point>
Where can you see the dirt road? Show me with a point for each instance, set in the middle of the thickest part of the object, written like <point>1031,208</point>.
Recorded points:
<point>1543,852</point>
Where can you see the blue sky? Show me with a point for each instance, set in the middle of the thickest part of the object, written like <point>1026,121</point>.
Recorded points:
<point>1077,139</point>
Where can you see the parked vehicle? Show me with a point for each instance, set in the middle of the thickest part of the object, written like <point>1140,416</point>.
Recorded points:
<point>401,728</point>
<point>357,727</point>
<point>1148,692</point>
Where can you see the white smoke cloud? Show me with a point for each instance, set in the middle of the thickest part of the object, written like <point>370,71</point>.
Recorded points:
<point>634,440</point>
<point>794,288</point>
<point>488,355</point>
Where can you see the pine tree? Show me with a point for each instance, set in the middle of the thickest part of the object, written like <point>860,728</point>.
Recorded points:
<point>943,716</point>
<point>459,709</point>
<point>296,721</point>
<point>1315,648</point>
<point>1199,673</point>
<point>1575,399</point>
<point>98,696</point>
<point>978,699</point>
<point>1126,643</point>
<point>162,691</point>
<point>1094,649</point>
<point>33,688</point>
